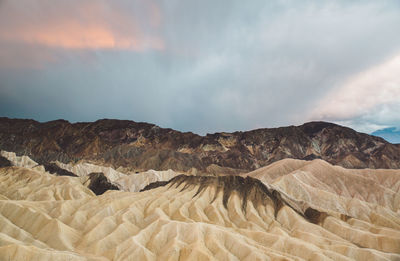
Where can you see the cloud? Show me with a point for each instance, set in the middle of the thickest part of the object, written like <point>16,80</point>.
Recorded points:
<point>370,98</point>
<point>80,25</point>
<point>201,66</point>
<point>73,35</point>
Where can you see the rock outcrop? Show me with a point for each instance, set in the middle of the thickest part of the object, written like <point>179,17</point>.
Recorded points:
<point>100,184</point>
<point>53,168</point>
<point>4,162</point>
<point>154,185</point>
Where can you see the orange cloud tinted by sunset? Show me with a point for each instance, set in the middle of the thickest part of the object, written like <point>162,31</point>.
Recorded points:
<point>75,36</point>
<point>92,31</point>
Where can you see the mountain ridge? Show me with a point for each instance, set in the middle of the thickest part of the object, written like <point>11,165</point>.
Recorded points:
<point>142,146</point>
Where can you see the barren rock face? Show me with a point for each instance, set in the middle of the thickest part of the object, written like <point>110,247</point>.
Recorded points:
<point>53,168</point>
<point>99,183</point>
<point>142,146</point>
<point>4,162</point>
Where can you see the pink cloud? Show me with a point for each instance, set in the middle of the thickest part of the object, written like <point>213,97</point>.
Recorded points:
<point>366,93</point>
<point>72,35</point>
<point>89,25</point>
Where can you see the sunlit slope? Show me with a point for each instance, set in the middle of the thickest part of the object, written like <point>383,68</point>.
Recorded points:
<point>126,181</point>
<point>18,183</point>
<point>369,199</point>
<point>191,218</point>
<point>328,187</point>
<point>133,182</point>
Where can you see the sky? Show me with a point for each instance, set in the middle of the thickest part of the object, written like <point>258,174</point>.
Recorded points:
<point>390,134</point>
<point>202,66</point>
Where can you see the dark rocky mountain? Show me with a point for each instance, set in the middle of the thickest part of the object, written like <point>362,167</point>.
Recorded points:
<point>142,146</point>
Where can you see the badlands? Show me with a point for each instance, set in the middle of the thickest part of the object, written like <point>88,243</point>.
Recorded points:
<point>289,210</point>
<point>121,190</point>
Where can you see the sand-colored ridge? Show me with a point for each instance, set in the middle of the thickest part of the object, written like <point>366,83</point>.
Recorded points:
<point>368,195</point>
<point>136,182</point>
<point>18,183</point>
<point>380,186</point>
<point>130,181</point>
<point>19,161</point>
<point>191,218</point>
<point>126,181</point>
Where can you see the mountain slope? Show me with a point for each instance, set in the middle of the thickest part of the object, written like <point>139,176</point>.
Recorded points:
<point>142,146</point>
<point>366,194</point>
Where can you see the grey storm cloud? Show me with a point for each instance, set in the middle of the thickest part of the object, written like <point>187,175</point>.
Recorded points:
<point>200,66</point>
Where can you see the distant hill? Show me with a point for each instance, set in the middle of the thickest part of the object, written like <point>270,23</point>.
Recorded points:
<point>391,134</point>
<point>143,146</point>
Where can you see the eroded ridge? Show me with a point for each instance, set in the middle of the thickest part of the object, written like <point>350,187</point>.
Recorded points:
<point>248,189</point>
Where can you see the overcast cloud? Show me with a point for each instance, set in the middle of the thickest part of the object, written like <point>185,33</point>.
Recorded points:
<point>202,66</point>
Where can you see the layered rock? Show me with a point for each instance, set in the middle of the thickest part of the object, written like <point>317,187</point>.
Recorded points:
<point>141,146</point>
